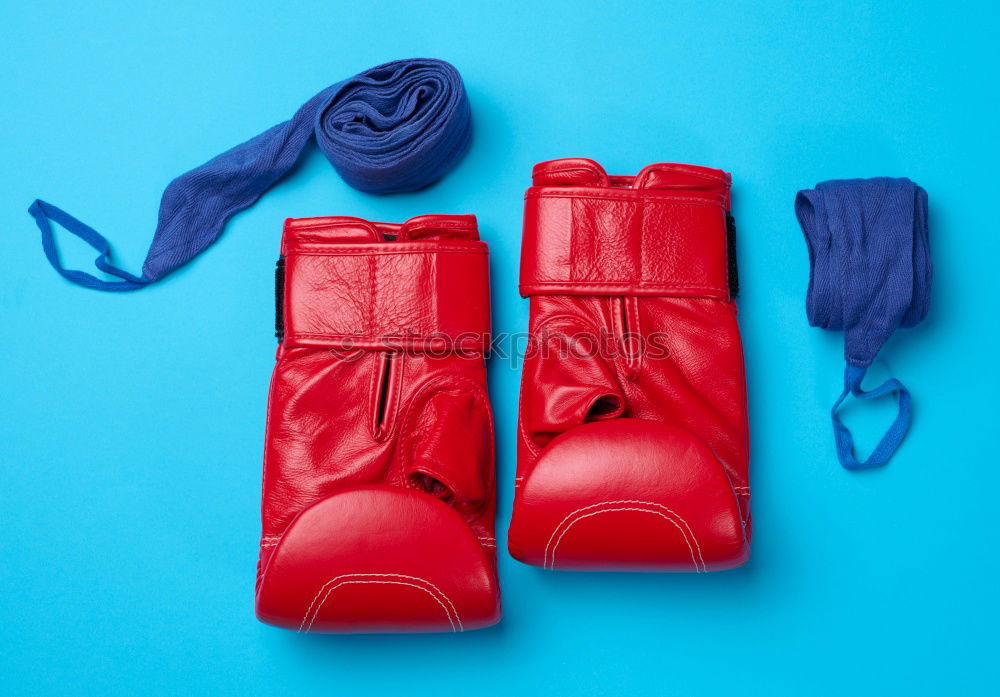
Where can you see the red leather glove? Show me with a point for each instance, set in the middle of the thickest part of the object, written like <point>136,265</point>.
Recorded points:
<point>378,497</point>
<point>633,425</point>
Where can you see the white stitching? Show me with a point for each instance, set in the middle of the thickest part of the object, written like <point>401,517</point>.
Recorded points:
<point>395,583</point>
<point>694,560</point>
<point>309,610</point>
<point>686,531</point>
<point>413,578</point>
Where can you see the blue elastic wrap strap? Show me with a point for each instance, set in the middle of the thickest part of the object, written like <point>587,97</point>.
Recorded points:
<point>870,273</point>
<point>396,127</point>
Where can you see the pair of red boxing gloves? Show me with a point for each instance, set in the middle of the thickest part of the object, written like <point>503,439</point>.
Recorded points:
<point>379,487</point>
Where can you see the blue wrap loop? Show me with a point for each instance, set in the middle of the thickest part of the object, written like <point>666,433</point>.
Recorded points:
<point>892,439</point>
<point>43,213</point>
<point>396,127</point>
<point>870,274</point>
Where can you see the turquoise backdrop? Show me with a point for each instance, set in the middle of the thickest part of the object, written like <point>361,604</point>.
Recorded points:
<point>131,425</point>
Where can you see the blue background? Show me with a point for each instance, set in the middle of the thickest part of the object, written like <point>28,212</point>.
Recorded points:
<point>131,425</point>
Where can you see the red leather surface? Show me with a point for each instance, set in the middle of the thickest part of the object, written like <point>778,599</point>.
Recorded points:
<point>646,238</point>
<point>378,486</point>
<point>633,437</point>
<point>371,290</point>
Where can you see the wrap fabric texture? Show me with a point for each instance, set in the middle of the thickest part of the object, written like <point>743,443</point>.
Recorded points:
<point>870,274</point>
<point>393,128</point>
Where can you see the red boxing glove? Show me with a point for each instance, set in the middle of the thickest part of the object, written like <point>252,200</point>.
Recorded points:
<point>633,426</point>
<point>378,497</point>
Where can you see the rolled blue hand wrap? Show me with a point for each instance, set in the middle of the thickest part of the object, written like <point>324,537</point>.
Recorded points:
<point>870,273</point>
<point>396,127</point>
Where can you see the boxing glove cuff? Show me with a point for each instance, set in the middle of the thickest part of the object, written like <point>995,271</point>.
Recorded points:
<point>342,284</point>
<point>661,233</point>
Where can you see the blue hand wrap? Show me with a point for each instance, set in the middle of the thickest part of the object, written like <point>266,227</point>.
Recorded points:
<point>396,127</point>
<point>870,273</point>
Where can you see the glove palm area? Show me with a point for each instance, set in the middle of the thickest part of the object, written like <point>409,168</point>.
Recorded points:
<point>633,443</point>
<point>378,485</point>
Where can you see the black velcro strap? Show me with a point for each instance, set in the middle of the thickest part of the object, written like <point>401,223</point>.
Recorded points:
<point>734,273</point>
<point>279,297</point>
